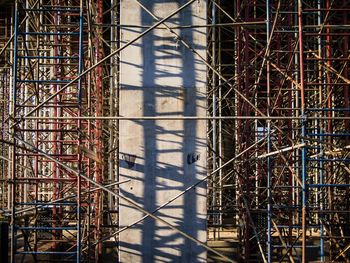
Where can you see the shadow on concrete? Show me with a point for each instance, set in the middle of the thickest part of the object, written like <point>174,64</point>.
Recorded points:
<point>171,150</point>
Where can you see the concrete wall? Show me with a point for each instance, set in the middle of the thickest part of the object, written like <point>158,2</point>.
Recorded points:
<point>160,77</point>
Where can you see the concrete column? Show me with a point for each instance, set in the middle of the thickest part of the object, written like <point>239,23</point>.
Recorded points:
<point>161,77</point>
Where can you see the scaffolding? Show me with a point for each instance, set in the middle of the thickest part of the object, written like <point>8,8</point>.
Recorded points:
<point>284,76</point>
<point>278,114</point>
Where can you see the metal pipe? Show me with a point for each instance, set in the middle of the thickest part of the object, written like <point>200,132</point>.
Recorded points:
<point>269,172</point>
<point>125,118</point>
<point>214,123</point>
<point>302,93</point>
<point>79,98</point>
<point>14,150</point>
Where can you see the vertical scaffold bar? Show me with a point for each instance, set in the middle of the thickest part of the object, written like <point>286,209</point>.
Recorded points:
<point>13,111</point>
<point>80,70</point>
<point>302,93</point>
<point>269,212</point>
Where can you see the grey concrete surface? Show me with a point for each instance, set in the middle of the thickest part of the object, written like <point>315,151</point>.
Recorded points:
<point>160,77</point>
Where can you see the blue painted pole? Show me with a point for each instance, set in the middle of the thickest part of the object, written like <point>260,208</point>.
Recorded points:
<point>13,167</point>
<point>269,212</point>
<point>303,179</point>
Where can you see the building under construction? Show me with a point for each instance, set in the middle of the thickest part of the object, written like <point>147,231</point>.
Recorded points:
<point>174,131</point>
